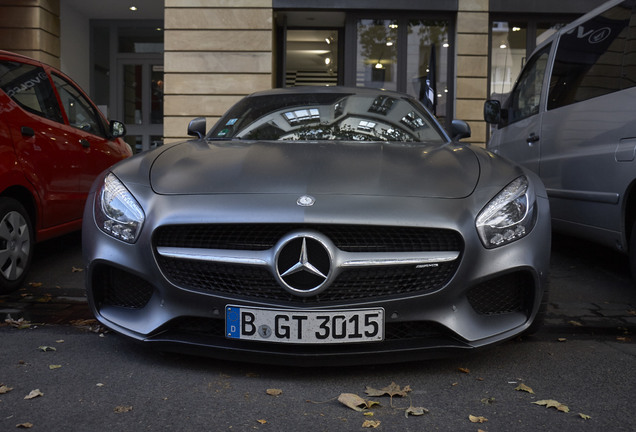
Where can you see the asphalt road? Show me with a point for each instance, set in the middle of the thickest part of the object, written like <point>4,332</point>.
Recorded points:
<point>584,358</point>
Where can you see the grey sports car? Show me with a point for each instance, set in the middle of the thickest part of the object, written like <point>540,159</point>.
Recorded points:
<point>319,226</point>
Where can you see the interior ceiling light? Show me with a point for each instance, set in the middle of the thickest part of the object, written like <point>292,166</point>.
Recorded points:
<point>133,8</point>
<point>503,46</point>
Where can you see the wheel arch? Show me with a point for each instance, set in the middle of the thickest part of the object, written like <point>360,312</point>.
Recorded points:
<point>26,198</point>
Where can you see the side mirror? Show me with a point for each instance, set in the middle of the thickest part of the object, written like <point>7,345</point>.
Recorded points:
<point>492,111</point>
<point>459,130</point>
<point>117,129</point>
<point>197,127</point>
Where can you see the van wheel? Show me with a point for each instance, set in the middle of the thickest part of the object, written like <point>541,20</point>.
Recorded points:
<point>16,244</point>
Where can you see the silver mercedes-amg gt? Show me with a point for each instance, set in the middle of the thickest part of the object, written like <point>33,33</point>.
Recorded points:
<point>319,226</point>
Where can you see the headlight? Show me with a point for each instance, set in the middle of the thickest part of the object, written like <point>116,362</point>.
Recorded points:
<point>507,217</point>
<point>117,213</point>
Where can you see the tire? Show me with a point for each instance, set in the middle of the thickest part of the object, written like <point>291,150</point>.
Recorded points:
<point>16,244</point>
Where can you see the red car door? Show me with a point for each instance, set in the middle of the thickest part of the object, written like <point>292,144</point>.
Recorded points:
<point>97,149</point>
<point>45,149</point>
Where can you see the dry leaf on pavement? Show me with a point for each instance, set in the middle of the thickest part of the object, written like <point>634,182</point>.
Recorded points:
<point>34,393</point>
<point>391,390</point>
<point>274,392</point>
<point>525,388</point>
<point>355,402</point>
<point>371,424</point>
<point>123,408</point>
<point>550,403</point>
<point>477,419</point>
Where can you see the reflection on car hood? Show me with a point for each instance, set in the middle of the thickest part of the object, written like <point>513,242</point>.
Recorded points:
<point>351,168</point>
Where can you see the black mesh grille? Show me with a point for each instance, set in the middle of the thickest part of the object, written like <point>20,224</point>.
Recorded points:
<point>349,238</point>
<point>116,287</point>
<point>505,294</point>
<point>250,282</point>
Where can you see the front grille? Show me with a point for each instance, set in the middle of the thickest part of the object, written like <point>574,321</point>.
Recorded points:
<point>253,282</point>
<point>349,238</point>
<point>505,294</point>
<point>249,282</point>
<point>115,287</point>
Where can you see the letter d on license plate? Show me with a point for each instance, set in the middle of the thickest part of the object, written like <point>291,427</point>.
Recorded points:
<point>304,326</point>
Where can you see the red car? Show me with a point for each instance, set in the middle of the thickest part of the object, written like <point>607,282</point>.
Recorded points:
<point>53,143</point>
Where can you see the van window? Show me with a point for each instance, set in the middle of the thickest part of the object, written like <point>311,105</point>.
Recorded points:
<point>589,58</point>
<point>29,87</point>
<point>526,95</point>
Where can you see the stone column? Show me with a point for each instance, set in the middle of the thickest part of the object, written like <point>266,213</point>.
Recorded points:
<point>216,51</point>
<point>472,65</point>
<point>31,28</point>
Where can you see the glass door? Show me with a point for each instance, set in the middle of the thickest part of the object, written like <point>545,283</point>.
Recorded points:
<point>141,101</point>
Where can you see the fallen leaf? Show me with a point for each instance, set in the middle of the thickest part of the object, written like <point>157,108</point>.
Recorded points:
<point>562,339</point>
<point>355,402</point>
<point>77,269</point>
<point>391,390</point>
<point>464,370</point>
<point>371,424</point>
<point>551,403</point>
<point>54,366</point>
<point>19,323</point>
<point>5,389</point>
<point>99,385</point>
<point>368,414</point>
<point>35,284</point>
<point>26,425</point>
<point>123,409</point>
<point>584,416</point>
<point>488,401</point>
<point>524,388</point>
<point>416,411</point>
<point>59,341</point>
<point>623,339</point>
<point>46,348</point>
<point>477,419</point>
<point>34,393</point>
<point>274,392</point>
<point>262,421</point>
<point>575,323</point>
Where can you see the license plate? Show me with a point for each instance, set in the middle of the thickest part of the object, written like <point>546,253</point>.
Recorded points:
<point>304,326</point>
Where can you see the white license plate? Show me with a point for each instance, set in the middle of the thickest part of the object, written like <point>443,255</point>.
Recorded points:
<point>304,326</point>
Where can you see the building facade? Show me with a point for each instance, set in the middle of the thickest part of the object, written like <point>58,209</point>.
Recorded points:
<point>168,61</point>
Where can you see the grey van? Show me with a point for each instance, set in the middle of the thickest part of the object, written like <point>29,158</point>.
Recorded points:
<point>571,118</point>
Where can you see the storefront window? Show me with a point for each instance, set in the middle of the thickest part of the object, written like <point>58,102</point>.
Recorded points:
<point>508,55</point>
<point>377,53</point>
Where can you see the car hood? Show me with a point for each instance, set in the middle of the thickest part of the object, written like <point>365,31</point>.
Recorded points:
<point>351,168</point>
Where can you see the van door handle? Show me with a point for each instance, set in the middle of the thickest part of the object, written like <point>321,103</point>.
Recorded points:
<point>532,138</point>
<point>85,143</point>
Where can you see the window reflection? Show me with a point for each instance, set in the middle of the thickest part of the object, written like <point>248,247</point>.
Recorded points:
<point>377,53</point>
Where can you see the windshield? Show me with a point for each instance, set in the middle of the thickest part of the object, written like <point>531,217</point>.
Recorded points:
<point>328,116</point>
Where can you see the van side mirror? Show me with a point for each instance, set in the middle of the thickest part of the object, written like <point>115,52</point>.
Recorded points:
<point>492,111</point>
<point>117,129</point>
<point>459,129</point>
<point>197,127</point>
